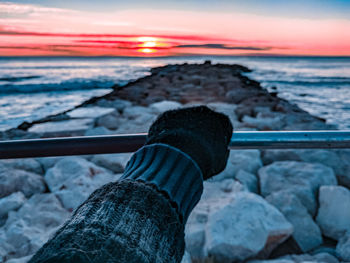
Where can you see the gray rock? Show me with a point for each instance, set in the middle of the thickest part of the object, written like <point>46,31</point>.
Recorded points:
<point>98,131</point>
<point>262,123</point>
<point>186,258</point>
<point>225,108</point>
<point>11,202</point>
<point>134,112</point>
<point>165,105</point>
<point>271,261</point>
<point>63,128</point>
<point>306,258</point>
<point>27,164</point>
<point>334,212</point>
<point>248,180</point>
<point>73,179</point>
<point>247,160</point>
<point>306,232</point>
<point>257,227</point>
<point>113,162</point>
<point>48,162</point>
<point>110,121</point>
<point>30,227</point>
<point>334,159</point>
<point>13,180</point>
<point>20,260</point>
<point>118,104</point>
<point>89,112</point>
<point>343,247</point>
<point>302,179</point>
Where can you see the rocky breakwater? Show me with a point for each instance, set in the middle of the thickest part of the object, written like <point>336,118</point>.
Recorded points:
<point>266,206</point>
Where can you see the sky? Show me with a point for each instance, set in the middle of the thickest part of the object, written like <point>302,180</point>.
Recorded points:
<point>174,28</point>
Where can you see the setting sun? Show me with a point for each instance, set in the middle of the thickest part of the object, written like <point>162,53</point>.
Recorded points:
<point>147,50</point>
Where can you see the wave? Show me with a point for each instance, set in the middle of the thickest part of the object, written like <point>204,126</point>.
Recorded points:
<point>17,79</point>
<point>57,87</point>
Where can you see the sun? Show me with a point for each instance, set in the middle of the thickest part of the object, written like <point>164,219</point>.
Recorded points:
<point>147,50</point>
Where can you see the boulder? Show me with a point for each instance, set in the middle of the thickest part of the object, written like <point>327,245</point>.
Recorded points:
<point>306,232</point>
<point>110,121</point>
<point>27,164</point>
<point>118,104</point>
<point>217,230</point>
<point>20,260</point>
<point>11,202</point>
<point>14,180</point>
<point>114,162</point>
<point>249,180</point>
<point>63,128</point>
<point>30,227</point>
<point>98,131</point>
<point>334,212</point>
<point>162,106</point>
<point>334,159</point>
<point>343,247</point>
<point>317,258</point>
<point>264,123</point>
<point>300,178</point>
<point>272,261</point>
<point>89,112</point>
<point>73,179</point>
<point>48,162</point>
<point>246,160</point>
<point>243,227</point>
<point>225,108</point>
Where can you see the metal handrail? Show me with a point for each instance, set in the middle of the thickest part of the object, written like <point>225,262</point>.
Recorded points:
<point>131,142</point>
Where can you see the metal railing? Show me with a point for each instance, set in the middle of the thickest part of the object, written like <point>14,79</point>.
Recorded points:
<point>131,142</point>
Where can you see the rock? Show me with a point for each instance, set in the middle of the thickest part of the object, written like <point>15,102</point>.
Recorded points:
<point>334,159</point>
<point>247,160</point>
<point>114,162</point>
<point>98,131</point>
<point>306,232</point>
<point>343,247</point>
<point>118,104</point>
<point>306,258</point>
<point>27,164</point>
<point>11,202</point>
<point>260,123</point>
<point>302,179</point>
<point>258,227</point>
<point>162,106</point>
<point>272,261</point>
<point>20,260</point>
<point>30,227</point>
<point>136,111</point>
<point>334,212</point>
<point>73,179</point>
<point>48,162</point>
<point>225,108</point>
<point>13,180</point>
<point>63,128</point>
<point>89,112</point>
<point>110,121</point>
<point>248,180</point>
<point>186,258</point>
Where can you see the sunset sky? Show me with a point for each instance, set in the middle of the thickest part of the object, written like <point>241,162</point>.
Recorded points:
<point>174,28</point>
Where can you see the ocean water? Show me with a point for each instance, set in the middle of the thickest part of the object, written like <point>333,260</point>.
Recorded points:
<point>32,88</point>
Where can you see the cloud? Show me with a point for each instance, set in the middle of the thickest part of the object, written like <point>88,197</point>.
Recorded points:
<point>222,46</point>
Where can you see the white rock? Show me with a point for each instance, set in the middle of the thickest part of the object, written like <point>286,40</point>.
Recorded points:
<point>247,160</point>
<point>110,121</point>
<point>118,104</point>
<point>260,123</point>
<point>98,131</point>
<point>30,227</point>
<point>306,232</point>
<point>334,212</point>
<point>165,105</point>
<point>60,128</point>
<point>186,258</point>
<point>302,179</point>
<point>136,111</point>
<point>48,162</point>
<point>243,227</point>
<point>113,162</point>
<point>317,258</point>
<point>27,164</point>
<point>343,247</point>
<point>90,112</point>
<point>271,261</point>
<point>225,108</point>
<point>13,180</point>
<point>248,180</point>
<point>11,202</point>
<point>73,179</point>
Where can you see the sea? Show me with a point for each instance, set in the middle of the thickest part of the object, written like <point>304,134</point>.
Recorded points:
<point>35,87</point>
